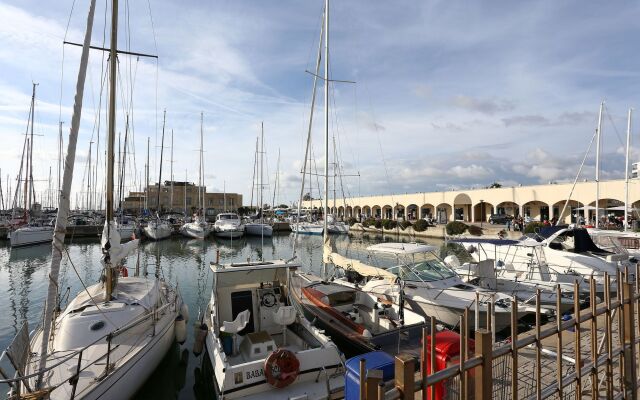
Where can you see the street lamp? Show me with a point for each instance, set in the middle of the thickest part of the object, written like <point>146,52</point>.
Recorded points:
<point>481,212</point>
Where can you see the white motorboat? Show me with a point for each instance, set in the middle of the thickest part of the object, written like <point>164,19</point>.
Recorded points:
<point>259,345</point>
<point>113,334</point>
<point>569,252</point>
<point>228,226</point>
<point>617,241</point>
<point>337,227</point>
<point>430,286</point>
<point>31,234</point>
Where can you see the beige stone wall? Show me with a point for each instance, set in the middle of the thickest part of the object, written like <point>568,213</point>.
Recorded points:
<point>215,201</point>
<point>537,201</point>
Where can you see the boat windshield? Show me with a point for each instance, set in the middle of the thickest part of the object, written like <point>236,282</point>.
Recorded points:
<point>424,271</point>
<point>227,216</point>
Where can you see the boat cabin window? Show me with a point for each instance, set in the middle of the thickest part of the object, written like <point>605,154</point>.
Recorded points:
<point>339,298</point>
<point>227,216</point>
<point>425,271</point>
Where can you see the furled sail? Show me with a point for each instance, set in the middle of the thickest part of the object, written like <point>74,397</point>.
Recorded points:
<point>118,250</point>
<point>329,256</point>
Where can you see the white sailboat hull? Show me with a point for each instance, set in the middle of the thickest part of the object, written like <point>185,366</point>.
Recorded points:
<point>307,229</point>
<point>158,231</point>
<point>126,231</point>
<point>30,235</point>
<point>258,229</point>
<point>195,230</point>
<point>339,228</point>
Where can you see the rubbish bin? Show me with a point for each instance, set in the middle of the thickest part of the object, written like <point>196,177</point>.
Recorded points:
<point>375,360</point>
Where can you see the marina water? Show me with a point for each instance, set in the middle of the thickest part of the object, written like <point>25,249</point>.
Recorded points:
<point>23,287</point>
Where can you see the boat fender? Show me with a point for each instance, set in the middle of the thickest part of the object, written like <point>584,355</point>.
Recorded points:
<point>180,329</point>
<point>184,311</point>
<point>367,334</point>
<point>452,261</point>
<point>201,334</point>
<point>281,368</point>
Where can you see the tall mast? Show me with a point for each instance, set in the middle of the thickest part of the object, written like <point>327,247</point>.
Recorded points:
<point>326,126</point>
<point>261,170</point>
<point>164,120</point>
<point>626,173</point>
<point>123,169</point>
<point>184,191</point>
<point>146,189</point>
<point>59,182</point>
<point>63,206</point>
<point>33,113</point>
<point>306,153</point>
<point>88,199</point>
<point>253,178</point>
<point>598,139</point>
<point>204,187</point>
<point>111,135</point>
<point>171,173</point>
<point>200,189</point>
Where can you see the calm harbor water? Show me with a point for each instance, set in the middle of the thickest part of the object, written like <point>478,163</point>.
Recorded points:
<point>23,287</point>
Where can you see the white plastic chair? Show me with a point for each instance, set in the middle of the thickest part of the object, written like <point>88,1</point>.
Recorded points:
<point>286,315</point>
<point>238,324</point>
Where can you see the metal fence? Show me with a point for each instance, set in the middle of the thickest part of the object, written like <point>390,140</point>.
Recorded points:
<point>592,354</point>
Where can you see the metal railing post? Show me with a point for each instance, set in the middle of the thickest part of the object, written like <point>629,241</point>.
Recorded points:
<point>74,379</point>
<point>483,373</point>
<point>363,377</point>
<point>630,384</point>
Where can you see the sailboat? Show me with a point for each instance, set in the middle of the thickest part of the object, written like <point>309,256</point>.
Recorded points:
<point>34,232</point>
<point>260,228</point>
<point>157,228</point>
<point>198,228</point>
<point>113,334</point>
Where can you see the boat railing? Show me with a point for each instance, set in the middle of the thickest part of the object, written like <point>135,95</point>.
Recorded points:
<point>593,353</point>
<point>18,351</point>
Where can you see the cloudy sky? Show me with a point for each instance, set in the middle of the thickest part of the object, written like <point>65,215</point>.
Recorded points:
<point>447,94</point>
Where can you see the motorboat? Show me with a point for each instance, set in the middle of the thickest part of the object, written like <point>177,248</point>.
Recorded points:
<point>158,229</point>
<point>524,285</point>
<point>359,320</point>
<point>430,286</point>
<point>569,252</point>
<point>260,346</point>
<point>228,226</point>
<point>617,241</point>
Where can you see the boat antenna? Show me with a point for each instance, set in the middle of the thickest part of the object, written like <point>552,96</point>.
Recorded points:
<point>63,206</point>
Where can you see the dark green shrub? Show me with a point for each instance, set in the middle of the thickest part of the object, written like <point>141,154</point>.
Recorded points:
<point>456,228</point>
<point>404,224</point>
<point>389,224</point>
<point>378,223</point>
<point>533,227</point>
<point>457,250</point>
<point>368,222</point>
<point>351,221</point>
<point>420,225</point>
<point>475,230</point>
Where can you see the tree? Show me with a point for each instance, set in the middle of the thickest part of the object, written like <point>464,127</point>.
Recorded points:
<point>283,206</point>
<point>495,185</point>
<point>306,197</point>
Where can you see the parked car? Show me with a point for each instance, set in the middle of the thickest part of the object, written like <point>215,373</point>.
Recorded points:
<point>499,218</point>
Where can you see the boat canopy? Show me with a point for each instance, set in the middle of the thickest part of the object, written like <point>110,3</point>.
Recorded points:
<point>230,275</point>
<point>356,265</point>
<point>402,248</point>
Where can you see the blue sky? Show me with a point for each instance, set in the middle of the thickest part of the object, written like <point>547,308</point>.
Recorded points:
<point>448,94</point>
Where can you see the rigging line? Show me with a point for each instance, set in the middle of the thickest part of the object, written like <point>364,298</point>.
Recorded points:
<point>155,45</point>
<point>66,31</point>
<point>66,250</point>
<point>615,129</point>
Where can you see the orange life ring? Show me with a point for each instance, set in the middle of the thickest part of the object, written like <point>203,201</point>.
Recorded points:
<point>281,368</point>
